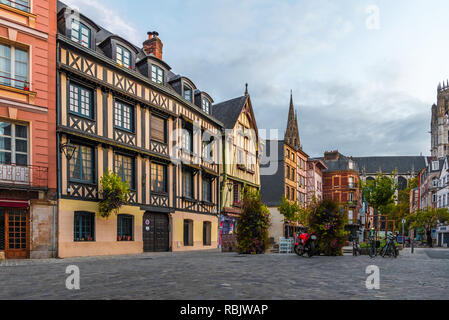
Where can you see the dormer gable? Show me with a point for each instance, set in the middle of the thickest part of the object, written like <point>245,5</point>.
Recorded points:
<point>119,50</point>
<point>203,101</point>
<point>78,27</point>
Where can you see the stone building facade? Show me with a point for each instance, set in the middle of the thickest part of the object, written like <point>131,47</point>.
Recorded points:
<point>439,125</point>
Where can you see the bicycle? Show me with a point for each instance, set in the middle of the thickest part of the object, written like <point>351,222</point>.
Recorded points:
<point>390,248</point>
<point>356,250</point>
<point>373,244</point>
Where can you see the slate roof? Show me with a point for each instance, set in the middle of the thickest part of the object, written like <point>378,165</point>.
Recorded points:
<point>403,164</point>
<point>103,34</point>
<point>272,186</point>
<point>228,111</point>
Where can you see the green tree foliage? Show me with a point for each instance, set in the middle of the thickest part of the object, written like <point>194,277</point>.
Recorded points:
<point>253,224</point>
<point>379,193</point>
<point>402,209</point>
<point>328,223</point>
<point>115,194</point>
<point>293,212</point>
<point>428,219</point>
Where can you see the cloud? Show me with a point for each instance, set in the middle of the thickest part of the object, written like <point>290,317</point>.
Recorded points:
<point>362,92</point>
<point>107,18</point>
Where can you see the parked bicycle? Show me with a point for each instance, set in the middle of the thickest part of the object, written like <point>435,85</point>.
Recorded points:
<point>390,248</point>
<point>356,250</point>
<point>373,243</point>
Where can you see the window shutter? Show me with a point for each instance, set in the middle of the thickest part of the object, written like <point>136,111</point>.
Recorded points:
<point>157,128</point>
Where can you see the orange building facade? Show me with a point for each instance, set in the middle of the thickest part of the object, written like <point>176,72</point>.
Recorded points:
<point>27,129</point>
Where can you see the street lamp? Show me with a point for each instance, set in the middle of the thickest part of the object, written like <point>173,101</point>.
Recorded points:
<point>229,184</point>
<point>68,149</point>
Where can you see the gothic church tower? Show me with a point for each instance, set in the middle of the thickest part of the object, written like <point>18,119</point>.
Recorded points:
<point>439,126</point>
<point>292,133</point>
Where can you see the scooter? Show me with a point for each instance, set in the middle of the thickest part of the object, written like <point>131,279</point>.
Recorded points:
<point>305,243</point>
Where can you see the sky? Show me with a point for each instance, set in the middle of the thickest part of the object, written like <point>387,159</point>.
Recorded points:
<point>364,74</point>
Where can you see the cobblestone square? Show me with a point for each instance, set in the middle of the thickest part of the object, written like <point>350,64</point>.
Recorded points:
<point>216,275</point>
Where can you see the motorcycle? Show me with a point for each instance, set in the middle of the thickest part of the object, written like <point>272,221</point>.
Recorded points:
<point>305,243</point>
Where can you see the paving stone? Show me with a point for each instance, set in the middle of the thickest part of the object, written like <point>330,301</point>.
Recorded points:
<point>216,275</point>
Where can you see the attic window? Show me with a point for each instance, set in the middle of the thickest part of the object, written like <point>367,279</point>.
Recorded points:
<point>206,105</point>
<point>435,165</point>
<point>187,93</point>
<point>123,56</point>
<point>80,33</point>
<point>157,74</point>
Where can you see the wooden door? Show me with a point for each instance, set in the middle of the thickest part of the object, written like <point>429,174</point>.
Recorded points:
<point>155,232</point>
<point>17,232</point>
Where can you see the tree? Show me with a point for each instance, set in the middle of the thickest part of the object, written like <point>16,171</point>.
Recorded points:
<point>328,223</point>
<point>380,192</point>
<point>428,219</point>
<point>252,228</point>
<point>293,212</point>
<point>402,209</point>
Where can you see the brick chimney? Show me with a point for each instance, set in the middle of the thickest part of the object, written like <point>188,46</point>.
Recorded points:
<point>331,155</point>
<point>153,45</point>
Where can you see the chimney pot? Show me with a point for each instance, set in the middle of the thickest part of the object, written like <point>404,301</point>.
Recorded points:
<point>153,46</point>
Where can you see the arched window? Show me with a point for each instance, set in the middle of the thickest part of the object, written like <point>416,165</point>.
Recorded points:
<point>402,183</point>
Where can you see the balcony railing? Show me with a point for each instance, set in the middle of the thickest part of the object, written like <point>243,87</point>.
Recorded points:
<point>25,176</point>
<point>23,5</point>
<point>15,83</point>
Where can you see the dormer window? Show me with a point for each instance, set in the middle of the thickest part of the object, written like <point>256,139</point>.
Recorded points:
<point>188,93</point>
<point>80,33</point>
<point>206,105</point>
<point>123,56</point>
<point>157,74</point>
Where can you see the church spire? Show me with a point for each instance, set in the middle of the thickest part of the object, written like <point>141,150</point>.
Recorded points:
<point>292,133</point>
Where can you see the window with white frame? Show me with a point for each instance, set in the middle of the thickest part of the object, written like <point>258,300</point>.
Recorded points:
<point>435,165</point>
<point>80,100</point>
<point>123,116</point>
<point>13,67</point>
<point>13,143</point>
<point>435,182</point>
<point>123,56</point>
<point>80,33</point>
<point>206,105</point>
<point>157,74</point>
<point>187,93</point>
<point>23,5</point>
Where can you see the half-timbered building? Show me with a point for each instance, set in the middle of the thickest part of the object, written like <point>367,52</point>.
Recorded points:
<point>121,108</point>
<point>240,164</point>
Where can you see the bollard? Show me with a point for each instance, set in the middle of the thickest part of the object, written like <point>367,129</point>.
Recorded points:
<point>412,244</point>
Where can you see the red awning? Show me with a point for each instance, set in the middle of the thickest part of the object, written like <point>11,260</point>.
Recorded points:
<point>14,203</point>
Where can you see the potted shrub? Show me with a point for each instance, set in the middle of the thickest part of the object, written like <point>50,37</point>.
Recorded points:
<point>115,193</point>
<point>26,86</point>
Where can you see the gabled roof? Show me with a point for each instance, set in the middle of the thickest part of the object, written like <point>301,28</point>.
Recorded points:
<point>229,111</point>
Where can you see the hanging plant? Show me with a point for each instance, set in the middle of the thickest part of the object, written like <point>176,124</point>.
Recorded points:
<point>115,193</point>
